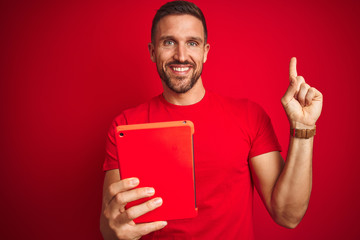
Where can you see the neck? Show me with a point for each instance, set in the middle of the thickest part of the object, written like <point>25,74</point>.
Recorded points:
<point>194,95</point>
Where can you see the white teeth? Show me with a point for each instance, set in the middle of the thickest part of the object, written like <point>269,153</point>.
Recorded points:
<point>181,69</point>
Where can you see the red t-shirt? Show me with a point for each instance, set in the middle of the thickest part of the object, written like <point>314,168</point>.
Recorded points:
<point>228,133</point>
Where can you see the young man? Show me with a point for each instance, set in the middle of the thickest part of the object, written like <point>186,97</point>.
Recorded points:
<point>225,170</point>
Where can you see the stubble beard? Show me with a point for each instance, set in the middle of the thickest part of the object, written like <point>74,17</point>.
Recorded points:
<point>179,84</point>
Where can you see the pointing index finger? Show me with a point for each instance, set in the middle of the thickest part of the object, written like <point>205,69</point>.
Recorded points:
<point>292,68</point>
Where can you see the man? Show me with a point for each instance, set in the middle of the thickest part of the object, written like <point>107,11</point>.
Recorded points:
<point>245,151</point>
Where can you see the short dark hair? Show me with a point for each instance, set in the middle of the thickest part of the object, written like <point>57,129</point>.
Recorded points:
<point>178,8</point>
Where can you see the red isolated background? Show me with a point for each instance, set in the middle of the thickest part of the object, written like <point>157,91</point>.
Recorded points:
<point>68,67</point>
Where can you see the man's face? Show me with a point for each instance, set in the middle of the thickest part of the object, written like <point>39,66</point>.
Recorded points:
<point>179,51</point>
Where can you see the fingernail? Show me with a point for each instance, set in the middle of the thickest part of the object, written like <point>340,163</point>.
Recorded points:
<point>164,223</point>
<point>157,201</point>
<point>134,182</point>
<point>150,191</point>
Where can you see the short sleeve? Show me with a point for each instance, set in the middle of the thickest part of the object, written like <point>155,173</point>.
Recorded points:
<point>111,155</point>
<point>263,137</point>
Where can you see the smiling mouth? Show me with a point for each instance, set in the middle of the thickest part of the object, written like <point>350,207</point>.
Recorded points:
<point>180,69</point>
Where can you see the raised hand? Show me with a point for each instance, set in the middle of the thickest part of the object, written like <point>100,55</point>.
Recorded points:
<point>301,102</point>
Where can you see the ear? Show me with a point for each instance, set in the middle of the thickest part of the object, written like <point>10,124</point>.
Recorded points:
<point>206,51</point>
<point>151,48</point>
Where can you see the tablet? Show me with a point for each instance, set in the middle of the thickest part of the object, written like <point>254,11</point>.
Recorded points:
<point>161,156</point>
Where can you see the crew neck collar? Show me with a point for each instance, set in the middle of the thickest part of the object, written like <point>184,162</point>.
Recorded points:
<point>185,107</point>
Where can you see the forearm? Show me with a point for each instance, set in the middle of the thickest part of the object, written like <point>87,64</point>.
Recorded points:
<point>291,193</point>
<point>106,231</point>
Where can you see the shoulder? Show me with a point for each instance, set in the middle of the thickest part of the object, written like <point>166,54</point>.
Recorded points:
<point>237,105</point>
<point>137,114</point>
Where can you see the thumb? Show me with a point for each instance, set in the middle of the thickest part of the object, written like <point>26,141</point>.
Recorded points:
<point>291,91</point>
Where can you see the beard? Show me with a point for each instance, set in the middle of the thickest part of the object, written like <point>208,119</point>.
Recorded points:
<point>180,84</point>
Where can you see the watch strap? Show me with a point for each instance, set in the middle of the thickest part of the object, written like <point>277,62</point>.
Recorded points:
<point>302,133</point>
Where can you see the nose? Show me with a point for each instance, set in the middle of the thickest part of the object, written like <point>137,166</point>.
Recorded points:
<point>180,53</point>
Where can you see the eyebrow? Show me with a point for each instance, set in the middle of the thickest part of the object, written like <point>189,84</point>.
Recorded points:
<point>198,39</point>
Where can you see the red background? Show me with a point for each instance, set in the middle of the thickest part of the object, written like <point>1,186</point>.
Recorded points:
<point>68,67</point>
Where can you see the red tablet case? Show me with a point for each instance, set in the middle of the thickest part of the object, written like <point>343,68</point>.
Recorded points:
<point>161,156</point>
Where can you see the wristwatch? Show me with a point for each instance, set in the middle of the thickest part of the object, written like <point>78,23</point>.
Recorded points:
<point>302,133</point>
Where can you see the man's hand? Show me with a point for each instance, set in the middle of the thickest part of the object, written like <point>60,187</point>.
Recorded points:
<point>117,222</point>
<point>301,102</point>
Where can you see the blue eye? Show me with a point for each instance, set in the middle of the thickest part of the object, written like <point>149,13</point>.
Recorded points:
<point>193,44</point>
<point>168,43</point>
